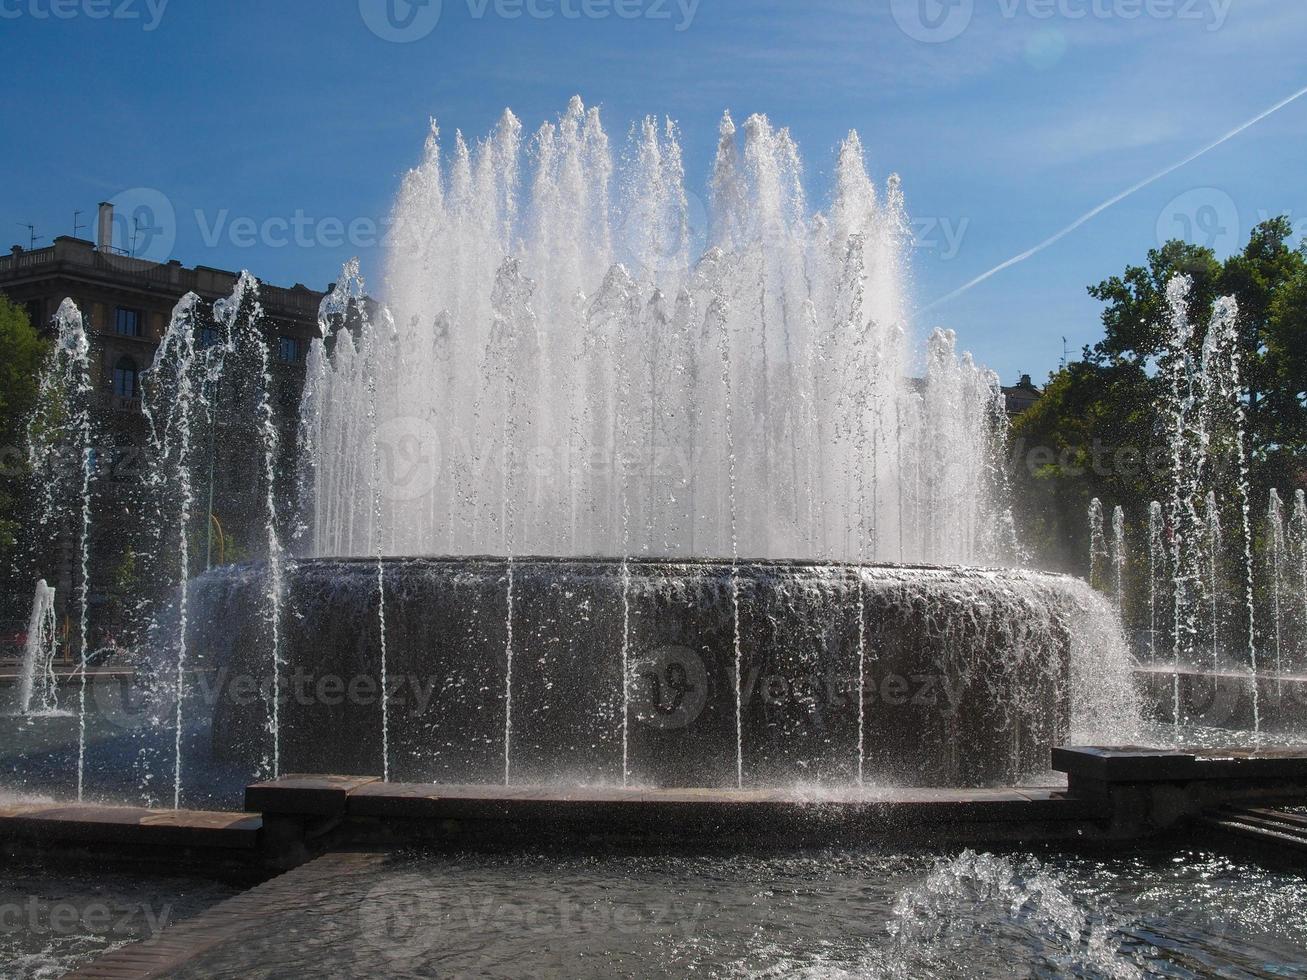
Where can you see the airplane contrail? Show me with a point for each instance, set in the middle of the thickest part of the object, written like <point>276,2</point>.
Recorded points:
<point>1089,215</point>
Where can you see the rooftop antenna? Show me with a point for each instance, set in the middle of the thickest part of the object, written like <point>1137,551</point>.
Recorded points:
<point>32,236</point>
<point>1066,354</point>
<point>136,230</point>
<point>77,225</point>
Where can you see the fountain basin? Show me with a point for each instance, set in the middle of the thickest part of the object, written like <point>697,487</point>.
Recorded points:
<point>957,677</point>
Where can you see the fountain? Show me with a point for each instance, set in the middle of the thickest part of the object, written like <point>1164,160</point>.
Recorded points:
<point>571,507</point>
<point>662,493</point>
<point>61,454</point>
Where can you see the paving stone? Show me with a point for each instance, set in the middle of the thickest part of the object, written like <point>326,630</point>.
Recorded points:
<point>315,795</point>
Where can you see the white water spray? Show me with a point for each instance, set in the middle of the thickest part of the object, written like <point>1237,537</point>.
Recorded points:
<point>38,691</point>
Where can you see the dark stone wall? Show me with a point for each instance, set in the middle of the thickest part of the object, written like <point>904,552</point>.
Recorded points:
<point>964,679</point>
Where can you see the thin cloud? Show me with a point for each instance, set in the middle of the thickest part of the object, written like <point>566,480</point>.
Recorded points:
<point>1116,199</point>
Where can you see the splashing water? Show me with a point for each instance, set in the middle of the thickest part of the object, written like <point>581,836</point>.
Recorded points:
<point>1156,561</point>
<point>61,454</point>
<point>1098,549</point>
<point>240,318</point>
<point>967,898</point>
<point>1188,439</point>
<point>38,690</point>
<point>170,398</point>
<point>1118,557</point>
<point>1276,567</point>
<point>1299,524</point>
<point>1225,426</point>
<point>569,296</point>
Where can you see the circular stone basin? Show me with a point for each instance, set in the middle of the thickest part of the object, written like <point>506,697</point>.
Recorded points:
<point>912,676</point>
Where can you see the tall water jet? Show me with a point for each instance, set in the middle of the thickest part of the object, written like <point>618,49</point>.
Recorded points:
<point>1299,526</point>
<point>1275,566</point>
<point>1213,543</point>
<point>1156,561</point>
<point>247,369</point>
<point>1118,557</point>
<point>38,691</point>
<point>61,455</point>
<point>1188,445</point>
<point>1225,426</point>
<point>1098,549</point>
<point>171,401</point>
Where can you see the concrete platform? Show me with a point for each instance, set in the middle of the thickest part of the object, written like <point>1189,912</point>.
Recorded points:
<point>206,840</point>
<point>370,811</point>
<point>1149,790</point>
<point>1118,793</point>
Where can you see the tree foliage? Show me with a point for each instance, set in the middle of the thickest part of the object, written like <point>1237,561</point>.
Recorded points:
<point>22,352</point>
<point>1102,418</point>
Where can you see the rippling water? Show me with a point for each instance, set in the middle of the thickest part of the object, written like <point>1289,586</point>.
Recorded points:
<point>820,914</point>
<point>52,921</point>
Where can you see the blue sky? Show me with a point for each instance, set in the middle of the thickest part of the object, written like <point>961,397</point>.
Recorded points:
<point>1006,118</point>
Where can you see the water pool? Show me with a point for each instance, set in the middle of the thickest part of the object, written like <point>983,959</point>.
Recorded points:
<point>52,921</point>
<point>824,913</point>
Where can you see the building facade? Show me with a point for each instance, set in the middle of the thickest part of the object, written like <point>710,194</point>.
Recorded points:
<point>127,304</point>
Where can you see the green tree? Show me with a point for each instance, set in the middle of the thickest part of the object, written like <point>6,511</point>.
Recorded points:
<point>1101,430</point>
<point>1136,317</point>
<point>1265,279</point>
<point>22,352</point>
<point>1093,434</point>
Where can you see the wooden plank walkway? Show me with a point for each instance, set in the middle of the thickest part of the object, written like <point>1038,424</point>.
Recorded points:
<point>226,922</point>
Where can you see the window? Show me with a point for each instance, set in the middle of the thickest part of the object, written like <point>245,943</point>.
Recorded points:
<point>125,378</point>
<point>289,350</point>
<point>127,323</point>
